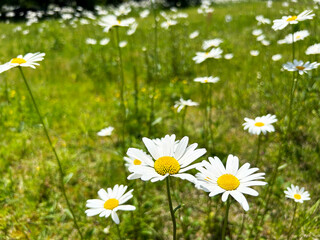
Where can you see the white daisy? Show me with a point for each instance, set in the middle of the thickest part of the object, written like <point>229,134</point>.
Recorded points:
<point>105,132</point>
<point>104,41</point>
<point>110,21</point>
<point>276,57</point>
<point>122,44</point>
<point>202,56</point>
<point>260,124</point>
<point>111,201</point>
<point>298,195</point>
<point>133,161</point>
<point>279,24</point>
<point>300,66</point>
<point>262,20</point>
<point>297,36</point>
<point>314,49</point>
<point>228,56</point>
<point>168,23</point>
<point>194,34</point>
<point>169,158</point>
<point>256,32</point>
<point>211,43</point>
<point>232,180</point>
<point>29,60</point>
<point>144,13</point>
<point>91,41</point>
<point>132,29</point>
<point>183,103</point>
<point>254,53</point>
<point>207,79</point>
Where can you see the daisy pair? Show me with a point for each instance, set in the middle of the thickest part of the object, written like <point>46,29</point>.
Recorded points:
<point>280,24</point>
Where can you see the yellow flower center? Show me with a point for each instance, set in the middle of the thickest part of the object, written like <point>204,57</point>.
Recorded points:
<point>206,80</point>
<point>119,22</point>
<point>228,182</point>
<point>300,68</point>
<point>207,53</point>
<point>293,18</point>
<point>164,165</point>
<point>297,196</point>
<point>298,37</point>
<point>111,204</point>
<point>136,162</point>
<point>18,60</point>
<point>259,124</point>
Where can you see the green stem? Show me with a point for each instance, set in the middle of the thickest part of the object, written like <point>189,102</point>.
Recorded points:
<point>293,217</point>
<point>225,222</point>
<point>171,210</point>
<point>54,152</point>
<point>119,233</point>
<point>258,150</point>
<point>183,118</point>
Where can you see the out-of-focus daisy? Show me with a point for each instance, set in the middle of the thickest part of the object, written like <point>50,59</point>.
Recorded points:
<point>91,41</point>
<point>279,24</point>
<point>122,10</point>
<point>300,66</point>
<point>144,13</point>
<point>132,29</point>
<point>297,36</point>
<point>228,18</point>
<point>260,124</point>
<point>228,56</point>
<point>134,160</point>
<point>194,34</point>
<point>122,44</point>
<point>105,132</point>
<point>207,79</point>
<point>211,43</point>
<point>262,20</point>
<point>276,57</point>
<point>184,103</point>
<point>229,180</point>
<point>254,53</point>
<point>265,42</point>
<point>111,201</point>
<point>28,60</point>
<point>171,157</point>
<point>104,41</point>
<point>256,32</point>
<point>298,195</point>
<point>202,56</point>
<point>314,49</point>
<point>261,37</point>
<point>110,21</point>
<point>168,23</point>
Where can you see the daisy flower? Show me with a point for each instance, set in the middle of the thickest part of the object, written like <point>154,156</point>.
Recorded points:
<point>144,13</point>
<point>297,36</point>
<point>279,24</point>
<point>28,60</point>
<point>300,66</point>
<point>231,180</point>
<point>183,103</point>
<point>202,56</point>
<point>256,32</point>
<point>105,132</point>
<point>111,201</point>
<point>207,79</point>
<point>104,41</point>
<point>211,43</point>
<point>262,20</point>
<point>254,53</point>
<point>260,124</point>
<point>110,21</point>
<point>194,34</point>
<point>276,57</point>
<point>168,23</point>
<point>314,49</point>
<point>298,195</point>
<point>91,41</point>
<point>228,56</point>
<point>170,157</point>
<point>132,161</point>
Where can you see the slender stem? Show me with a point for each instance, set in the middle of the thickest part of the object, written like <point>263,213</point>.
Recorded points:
<point>171,210</point>
<point>119,233</point>
<point>293,50</point>
<point>293,217</point>
<point>54,152</point>
<point>293,88</point>
<point>122,84</point>
<point>258,150</point>
<point>183,118</point>
<point>225,222</point>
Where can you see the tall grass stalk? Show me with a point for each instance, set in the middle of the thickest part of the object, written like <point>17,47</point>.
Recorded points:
<point>174,224</point>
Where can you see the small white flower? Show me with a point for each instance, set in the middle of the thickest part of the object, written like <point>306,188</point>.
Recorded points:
<point>228,56</point>
<point>228,18</point>
<point>297,36</point>
<point>202,56</point>
<point>194,34</point>
<point>207,79</point>
<point>144,13</point>
<point>111,201</point>
<point>104,41</point>
<point>279,24</point>
<point>265,42</point>
<point>105,132</point>
<point>132,29</point>
<point>276,57</point>
<point>183,103</point>
<point>122,44</point>
<point>260,124</point>
<point>298,195</point>
<point>168,23</point>
<point>256,32</point>
<point>211,43</point>
<point>262,20</point>
<point>254,53</point>
<point>314,49</point>
<point>91,41</point>
<point>110,21</point>
<point>300,66</point>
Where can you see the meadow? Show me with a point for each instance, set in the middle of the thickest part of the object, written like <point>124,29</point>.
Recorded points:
<point>80,88</point>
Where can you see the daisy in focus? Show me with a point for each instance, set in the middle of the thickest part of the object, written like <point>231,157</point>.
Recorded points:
<point>184,103</point>
<point>300,66</point>
<point>280,24</point>
<point>202,56</point>
<point>111,21</point>
<point>105,132</point>
<point>260,124</point>
<point>132,161</point>
<point>28,60</point>
<point>231,180</point>
<point>207,79</point>
<point>110,202</point>
<point>297,36</point>
<point>170,157</point>
<point>298,195</point>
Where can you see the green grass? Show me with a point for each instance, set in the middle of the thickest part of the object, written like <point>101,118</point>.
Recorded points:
<point>77,90</point>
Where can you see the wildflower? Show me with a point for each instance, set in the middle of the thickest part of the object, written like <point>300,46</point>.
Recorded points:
<point>168,23</point>
<point>211,43</point>
<point>256,32</point>
<point>194,34</point>
<point>105,132</point>
<point>110,21</point>
<point>122,44</point>
<point>298,195</point>
<point>297,36</point>
<point>170,158</point>
<point>228,56</point>
<point>207,79</point>
<point>104,41</point>
<point>29,60</point>
<point>111,201</point>
<point>280,24</point>
<point>91,41</point>
<point>276,57</point>
<point>202,56</point>
<point>262,20</point>
<point>260,124</point>
<point>182,103</point>
<point>254,53</point>
<point>132,29</point>
<point>144,13</point>
<point>300,66</point>
<point>314,49</point>
<point>231,180</point>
